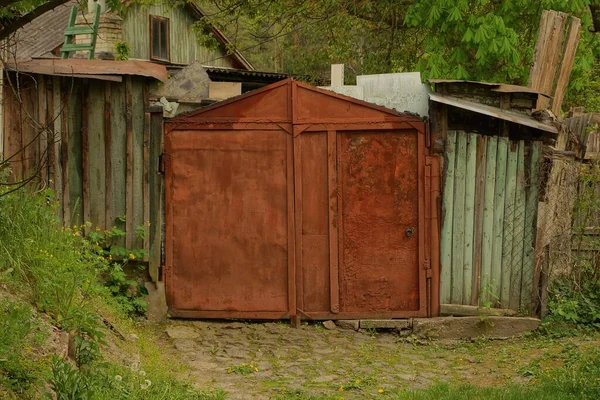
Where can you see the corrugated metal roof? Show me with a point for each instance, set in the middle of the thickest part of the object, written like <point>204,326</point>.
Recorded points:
<point>492,112</point>
<point>495,87</point>
<point>241,72</point>
<point>42,35</point>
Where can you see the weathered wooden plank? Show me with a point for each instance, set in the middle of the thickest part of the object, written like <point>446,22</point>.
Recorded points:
<point>29,127</point>
<point>129,223</point>
<point>488,216</point>
<point>96,157</point>
<point>499,194</point>
<point>508,230</point>
<point>43,139</point>
<point>74,180</point>
<point>532,193</point>
<point>458,223</point>
<point>566,66</point>
<point>146,178</point>
<point>107,156</point>
<point>138,158</point>
<point>447,210</point>
<point>118,155</point>
<point>58,171</point>
<point>480,179</point>
<point>518,231</point>
<point>155,183</point>
<point>470,182</point>
<point>85,150</point>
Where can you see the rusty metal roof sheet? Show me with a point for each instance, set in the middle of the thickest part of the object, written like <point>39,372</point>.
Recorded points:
<point>495,87</point>
<point>94,69</point>
<point>492,112</point>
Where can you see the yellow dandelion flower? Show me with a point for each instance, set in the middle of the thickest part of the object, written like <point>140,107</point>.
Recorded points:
<point>131,256</point>
<point>380,391</point>
<point>358,381</point>
<point>341,389</point>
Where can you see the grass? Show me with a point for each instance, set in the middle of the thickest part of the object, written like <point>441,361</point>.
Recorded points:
<point>54,280</point>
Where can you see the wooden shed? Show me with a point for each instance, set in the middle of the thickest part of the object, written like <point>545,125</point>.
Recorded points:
<point>291,201</point>
<point>491,144</point>
<point>85,129</point>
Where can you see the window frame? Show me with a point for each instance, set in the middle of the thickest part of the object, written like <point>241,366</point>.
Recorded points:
<point>161,19</point>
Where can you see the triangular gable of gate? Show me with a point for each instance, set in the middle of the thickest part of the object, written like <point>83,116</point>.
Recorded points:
<point>314,105</point>
<point>290,101</point>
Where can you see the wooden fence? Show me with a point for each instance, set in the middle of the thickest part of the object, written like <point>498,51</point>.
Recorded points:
<point>97,144</point>
<point>490,196</point>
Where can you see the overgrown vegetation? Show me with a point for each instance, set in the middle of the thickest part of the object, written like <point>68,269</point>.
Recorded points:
<point>574,292</point>
<point>74,283</point>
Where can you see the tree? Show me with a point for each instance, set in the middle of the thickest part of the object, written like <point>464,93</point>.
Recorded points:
<point>489,40</point>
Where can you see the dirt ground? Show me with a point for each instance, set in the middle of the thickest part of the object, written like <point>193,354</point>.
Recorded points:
<point>275,360</point>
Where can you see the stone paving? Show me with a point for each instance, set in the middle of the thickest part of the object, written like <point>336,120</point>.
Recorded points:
<point>275,360</point>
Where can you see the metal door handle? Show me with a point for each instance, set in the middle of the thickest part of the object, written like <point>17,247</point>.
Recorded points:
<point>409,232</point>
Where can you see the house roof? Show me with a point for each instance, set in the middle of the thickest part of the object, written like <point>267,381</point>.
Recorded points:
<point>44,34</point>
<point>47,32</point>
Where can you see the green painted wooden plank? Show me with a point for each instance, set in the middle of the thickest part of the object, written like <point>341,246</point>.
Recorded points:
<point>447,210</point>
<point>75,167</point>
<point>509,219</point>
<point>531,207</point>
<point>480,167</point>
<point>518,231</point>
<point>488,216</point>
<point>118,151</point>
<point>138,109</point>
<point>497,236</point>
<point>458,223</point>
<point>469,216</point>
<point>96,157</point>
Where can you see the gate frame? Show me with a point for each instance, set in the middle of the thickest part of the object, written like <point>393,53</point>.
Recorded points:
<point>428,198</point>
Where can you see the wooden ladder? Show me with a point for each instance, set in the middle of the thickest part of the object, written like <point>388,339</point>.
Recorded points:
<point>73,31</point>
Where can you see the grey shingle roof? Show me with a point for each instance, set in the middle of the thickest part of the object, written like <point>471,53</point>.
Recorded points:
<point>43,34</point>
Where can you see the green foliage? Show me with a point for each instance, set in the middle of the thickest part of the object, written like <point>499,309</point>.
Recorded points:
<point>18,332</point>
<point>574,292</point>
<point>242,369</point>
<point>123,49</point>
<point>109,381</point>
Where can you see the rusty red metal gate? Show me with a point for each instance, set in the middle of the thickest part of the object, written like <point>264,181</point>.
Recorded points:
<point>291,201</point>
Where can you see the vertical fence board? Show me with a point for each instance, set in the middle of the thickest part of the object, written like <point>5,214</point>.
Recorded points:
<point>138,159</point>
<point>118,155</point>
<point>74,178</point>
<point>447,209</point>
<point>498,219</point>
<point>532,193</point>
<point>58,171</point>
<point>488,212</point>
<point>509,218</point>
<point>480,167</point>
<point>458,223</point>
<point>96,169</point>
<point>129,225</point>
<point>155,183</point>
<point>518,231</point>
<point>471,180</point>
<point>108,216</point>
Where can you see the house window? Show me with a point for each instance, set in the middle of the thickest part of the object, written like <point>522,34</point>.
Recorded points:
<point>159,39</point>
